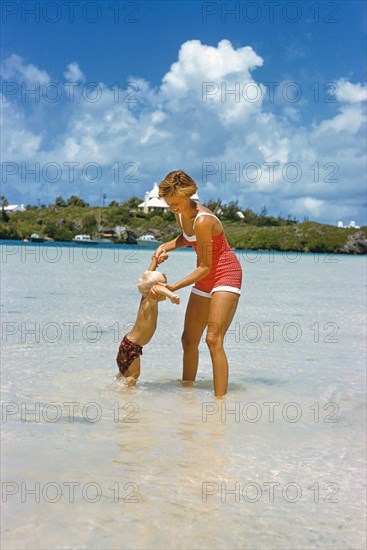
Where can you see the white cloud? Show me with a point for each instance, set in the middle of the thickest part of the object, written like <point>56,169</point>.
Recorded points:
<point>73,73</point>
<point>234,149</point>
<point>218,79</point>
<point>18,144</point>
<point>308,206</point>
<point>351,93</point>
<point>13,68</point>
<point>349,120</point>
<point>196,60</point>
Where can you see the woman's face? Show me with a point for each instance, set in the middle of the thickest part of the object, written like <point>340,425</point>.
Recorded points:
<point>177,204</point>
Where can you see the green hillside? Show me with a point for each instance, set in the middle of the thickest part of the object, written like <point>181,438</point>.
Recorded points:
<point>64,219</point>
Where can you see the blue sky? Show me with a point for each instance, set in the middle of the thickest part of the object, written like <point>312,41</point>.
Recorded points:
<point>129,91</point>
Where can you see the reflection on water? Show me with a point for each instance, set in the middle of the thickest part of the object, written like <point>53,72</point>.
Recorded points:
<point>89,463</point>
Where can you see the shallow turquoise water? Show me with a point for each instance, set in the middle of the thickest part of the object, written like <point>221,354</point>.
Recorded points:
<point>88,463</point>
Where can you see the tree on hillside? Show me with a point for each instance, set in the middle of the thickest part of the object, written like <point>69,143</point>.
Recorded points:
<point>4,203</point>
<point>89,223</point>
<point>230,210</point>
<point>215,206</point>
<point>59,201</point>
<point>76,201</point>
<point>133,202</point>
<point>290,221</point>
<point>250,216</point>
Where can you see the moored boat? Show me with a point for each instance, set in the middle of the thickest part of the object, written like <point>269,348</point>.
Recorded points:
<point>148,240</point>
<point>36,238</point>
<point>86,239</point>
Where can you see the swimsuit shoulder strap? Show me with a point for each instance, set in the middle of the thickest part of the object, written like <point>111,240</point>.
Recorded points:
<point>206,214</point>
<point>179,217</point>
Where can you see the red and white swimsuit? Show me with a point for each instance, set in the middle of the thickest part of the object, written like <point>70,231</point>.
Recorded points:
<point>226,273</point>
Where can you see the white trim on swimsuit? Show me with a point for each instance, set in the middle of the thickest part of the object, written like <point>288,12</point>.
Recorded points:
<point>192,238</point>
<point>216,289</point>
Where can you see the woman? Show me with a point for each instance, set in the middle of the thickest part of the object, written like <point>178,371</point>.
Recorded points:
<point>217,278</point>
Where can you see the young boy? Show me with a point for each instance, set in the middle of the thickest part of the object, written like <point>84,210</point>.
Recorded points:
<point>131,346</point>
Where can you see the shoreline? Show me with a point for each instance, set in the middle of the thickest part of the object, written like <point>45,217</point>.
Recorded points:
<point>117,246</point>
<point>125,225</point>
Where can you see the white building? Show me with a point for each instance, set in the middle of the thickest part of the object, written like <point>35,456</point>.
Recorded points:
<point>14,208</point>
<point>352,225</point>
<point>152,201</point>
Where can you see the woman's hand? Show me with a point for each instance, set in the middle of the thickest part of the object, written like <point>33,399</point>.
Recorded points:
<point>160,255</point>
<point>159,251</point>
<point>172,288</point>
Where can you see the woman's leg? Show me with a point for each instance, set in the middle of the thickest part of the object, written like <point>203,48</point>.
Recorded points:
<point>196,319</point>
<point>222,309</point>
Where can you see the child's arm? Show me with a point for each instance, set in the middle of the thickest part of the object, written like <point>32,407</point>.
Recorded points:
<point>153,264</point>
<point>157,260</point>
<point>162,290</point>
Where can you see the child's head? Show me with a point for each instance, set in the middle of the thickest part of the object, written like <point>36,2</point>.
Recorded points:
<point>149,279</point>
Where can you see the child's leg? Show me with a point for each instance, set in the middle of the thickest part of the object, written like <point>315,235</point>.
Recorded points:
<point>132,373</point>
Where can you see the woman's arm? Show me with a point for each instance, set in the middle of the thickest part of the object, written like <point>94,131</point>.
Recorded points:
<point>203,232</point>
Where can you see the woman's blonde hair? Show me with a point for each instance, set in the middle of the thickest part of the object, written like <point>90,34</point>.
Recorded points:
<point>177,183</point>
<point>149,279</point>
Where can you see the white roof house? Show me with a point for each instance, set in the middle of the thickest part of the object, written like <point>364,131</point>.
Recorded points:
<point>152,201</point>
<point>14,208</point>
<point>352,225</point>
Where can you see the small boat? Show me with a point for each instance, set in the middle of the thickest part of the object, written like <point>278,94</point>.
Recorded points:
<point>86,239</point>
<point>36,238</point>
<point>148,240</point>
<point>83,239</point>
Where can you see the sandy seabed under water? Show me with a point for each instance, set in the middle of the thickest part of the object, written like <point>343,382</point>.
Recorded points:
<point>88,463</point>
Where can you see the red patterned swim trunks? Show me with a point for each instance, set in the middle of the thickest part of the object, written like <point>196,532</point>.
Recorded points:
<point>128,351</point>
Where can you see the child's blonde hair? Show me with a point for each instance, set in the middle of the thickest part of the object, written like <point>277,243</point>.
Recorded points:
<point>149,279</point>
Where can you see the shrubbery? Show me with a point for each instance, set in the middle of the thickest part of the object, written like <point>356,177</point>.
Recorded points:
<point>62,220</point>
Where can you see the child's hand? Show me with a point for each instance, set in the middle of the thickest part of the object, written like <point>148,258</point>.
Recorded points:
<point>175,299</point>
<point>162,257</point>
<point>160,254</point>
